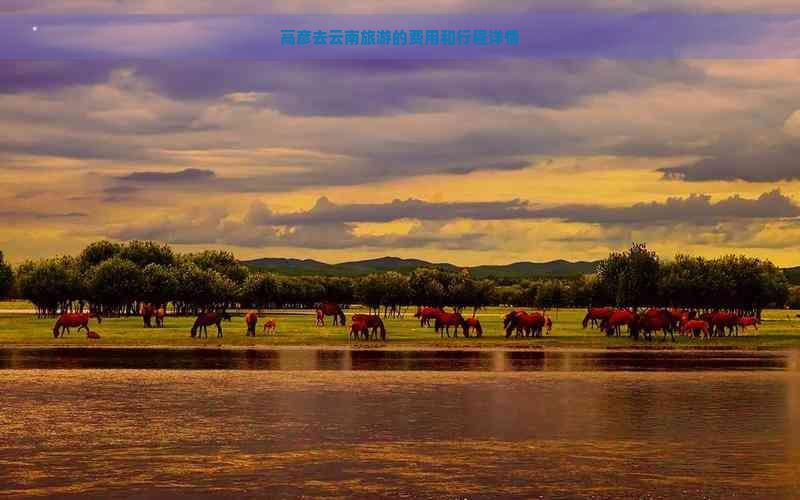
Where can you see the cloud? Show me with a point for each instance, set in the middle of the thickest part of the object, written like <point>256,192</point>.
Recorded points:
<point>764,164</point>
<point>697,209</point>
<point>187,175</point>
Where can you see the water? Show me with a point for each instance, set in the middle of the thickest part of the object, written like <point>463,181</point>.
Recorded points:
<point>376,424</point>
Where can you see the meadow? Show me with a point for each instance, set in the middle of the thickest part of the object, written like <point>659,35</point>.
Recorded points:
<point>780,330</point>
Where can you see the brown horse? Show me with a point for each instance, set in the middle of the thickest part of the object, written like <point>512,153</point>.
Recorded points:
<point>426,314</point>
<point>656,319</point>
<point>357,329</point>
<point>371,321</point>
<point>67,320</point>
<point>532,324</point>
<point>445,320</point>
<point>147,311</point>
<point>620,318</point>
<point>161,313</point>
<point>473,323</point>
<point>251,320</point>
<point>695,326</point>
<point>548,323</point>
<point>270,327</point>
<point>330,309</point>
<point>597,314</point>
<point>205,319</point>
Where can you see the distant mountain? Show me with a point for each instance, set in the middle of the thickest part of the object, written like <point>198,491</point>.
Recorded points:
<point>305,267</point>
<point>792,274</point>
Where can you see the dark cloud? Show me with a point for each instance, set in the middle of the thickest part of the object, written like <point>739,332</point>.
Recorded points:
<point>187,175</point>
<point>770,164</point>
<point>696,209</point>
<point>16,215</point>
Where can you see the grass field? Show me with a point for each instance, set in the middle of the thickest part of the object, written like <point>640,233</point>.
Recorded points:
<point>779,330</point>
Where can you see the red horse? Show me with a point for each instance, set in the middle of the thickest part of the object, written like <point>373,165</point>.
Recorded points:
<point>426,314</point>
<point>251,319</point>
<point>205,319</point>
<point>68,320</point>
<point>531,324</point>
<point>147,311</point>
<point>473,323</point>
<point>656,319</point>
<point>619,318</point>
<point>746,321</point>
<point>695,326</point>
<point>720,320</point>
<point>161,313</point>
<point>371,321</point>
<point>330,309</point>
<point>445,320</point>
<point>597,314</point>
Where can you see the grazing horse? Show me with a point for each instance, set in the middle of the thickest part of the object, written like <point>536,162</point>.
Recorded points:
<point>720,320</point>
<point>445,320</point>
<point>205,319</point>
<point>161,313</point>
<point>271,327</point>
<point>509,317</point>
<point>695,326</point>
<point>595,314</point>
<point>426,314</point>
<point>654,320</point>
<point>357,329</point>
<point>330,309</point>
<point>147,311</point>
<point>746,321</point>
<point>619,318</point>
<point>251,319</point>
<point>473,323</point>
<point>371,321</point>
<point>67,320</point>
<point>532,324</point>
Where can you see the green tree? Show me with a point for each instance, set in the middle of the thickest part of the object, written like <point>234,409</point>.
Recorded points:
<point>115,284</point>
<point>6,277</point>
<point>159,284</point>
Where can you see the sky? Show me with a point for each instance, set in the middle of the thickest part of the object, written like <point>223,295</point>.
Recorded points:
<point>469,161</point>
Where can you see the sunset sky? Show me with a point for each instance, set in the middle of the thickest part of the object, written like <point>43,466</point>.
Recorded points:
<point>466,161</point>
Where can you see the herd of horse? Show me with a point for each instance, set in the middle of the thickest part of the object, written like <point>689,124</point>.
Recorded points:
<point>517,322</point>
<point>668,321</point>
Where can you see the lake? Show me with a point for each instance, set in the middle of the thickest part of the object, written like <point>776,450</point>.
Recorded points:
<point>399,424</point>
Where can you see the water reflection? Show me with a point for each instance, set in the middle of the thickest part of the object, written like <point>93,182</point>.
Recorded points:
<point>406,360</point>
<point>415,434</point>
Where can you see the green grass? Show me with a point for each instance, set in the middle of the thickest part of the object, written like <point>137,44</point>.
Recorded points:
<point>780,330</point>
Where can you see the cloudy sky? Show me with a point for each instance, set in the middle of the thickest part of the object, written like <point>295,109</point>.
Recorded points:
<point>467,161</point>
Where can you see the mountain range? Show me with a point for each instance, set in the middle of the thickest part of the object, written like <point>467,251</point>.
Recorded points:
<point>306,267</point>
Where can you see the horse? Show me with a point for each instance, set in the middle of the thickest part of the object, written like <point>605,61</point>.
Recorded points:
<point>695,326</point>
<point>510,316</point>
<point>619,318</point>
<point>147,311</point>
<point>358,328</point>
<point>532,324</point>
<point>548,324</point>
<point>251,319</point>
<point>271,327</point>
<point>371,321</point>
<point>595,314</point>
<point>330,309</point>
<point>81,320</point>
<point>746,321</point>
<point>161,313</point>
<point>92,335</point>
<point>720,320</point>
<point>445,320</point>
<point>656,319</point>
<point>473,323</point>
<point>425,315</point>
<point>209,318</point>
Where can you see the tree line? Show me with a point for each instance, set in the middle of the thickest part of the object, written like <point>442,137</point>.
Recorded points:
<point>115,278</point>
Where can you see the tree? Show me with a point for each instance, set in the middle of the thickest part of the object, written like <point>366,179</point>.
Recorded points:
<point>159,284</point>
<point>115,284</point>
<point>143,253</point>
<point>259,290</point>
<point>6,277</point>
<point>51,284</point>
<point>97,252</point>
<point>222,262</point>
<point>630,278</point>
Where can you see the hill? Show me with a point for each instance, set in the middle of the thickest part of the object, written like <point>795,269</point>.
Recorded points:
<point>305,267</point>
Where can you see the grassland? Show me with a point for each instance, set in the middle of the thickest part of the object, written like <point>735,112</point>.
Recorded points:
<point>779,330</point>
